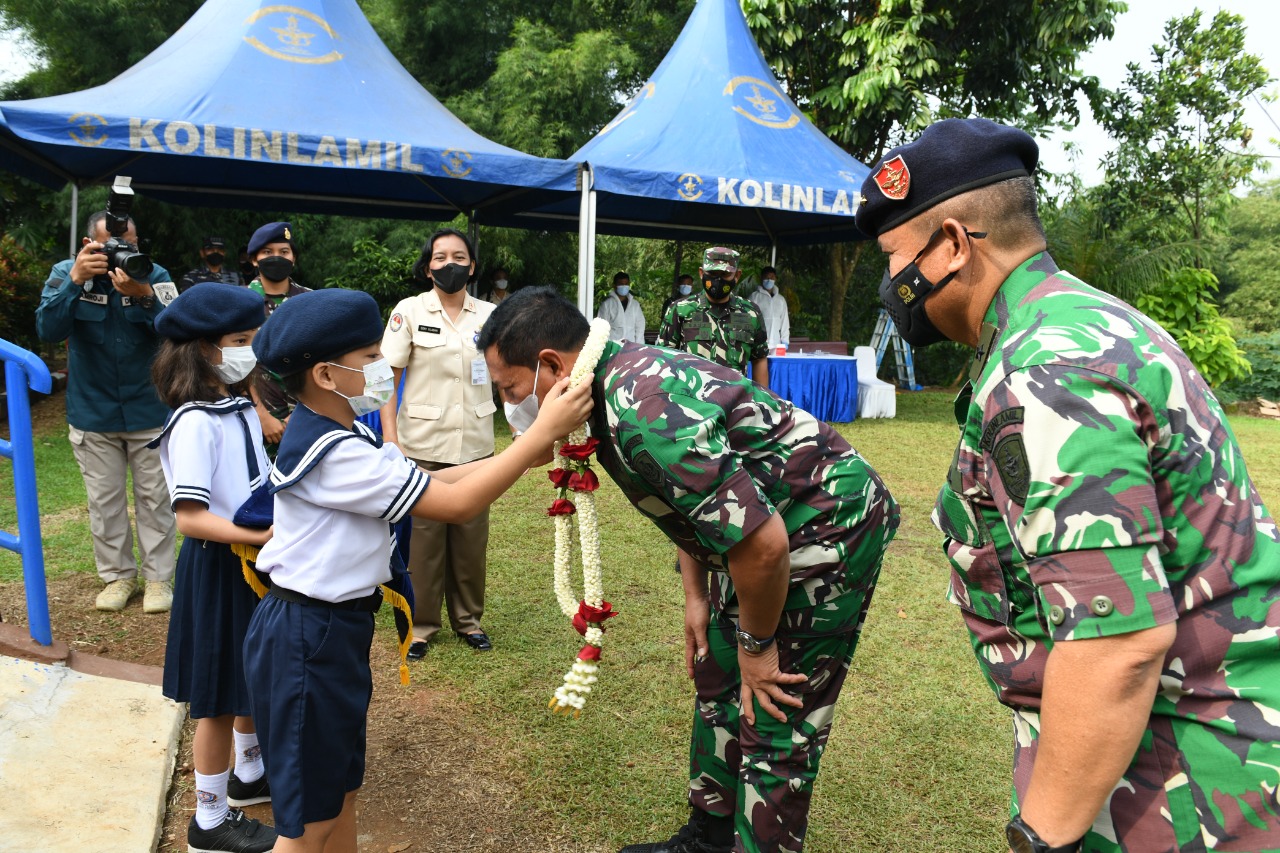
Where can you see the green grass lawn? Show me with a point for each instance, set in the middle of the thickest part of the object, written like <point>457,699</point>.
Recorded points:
<point>919,757</point>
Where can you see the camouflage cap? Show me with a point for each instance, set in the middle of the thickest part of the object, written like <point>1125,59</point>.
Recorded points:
<point>719,259</point>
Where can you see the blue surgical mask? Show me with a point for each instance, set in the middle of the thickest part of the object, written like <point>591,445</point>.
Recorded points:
<point>379,385</point>
<point>684,289</point>
<point>767,284</point>
<point>623,289</point>
<point>522,415</point>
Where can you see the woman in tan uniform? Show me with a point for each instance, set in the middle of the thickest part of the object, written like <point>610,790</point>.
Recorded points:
<point>446,419</point>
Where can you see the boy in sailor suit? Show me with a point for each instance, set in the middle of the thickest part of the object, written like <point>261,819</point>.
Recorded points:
<point>338,489</point>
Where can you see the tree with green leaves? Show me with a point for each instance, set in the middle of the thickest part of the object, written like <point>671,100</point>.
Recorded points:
<point>1182,141</point>
<point>870,75</point>
<point>1250,257</point>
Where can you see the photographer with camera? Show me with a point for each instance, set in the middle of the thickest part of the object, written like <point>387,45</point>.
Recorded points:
<point>103,303</point>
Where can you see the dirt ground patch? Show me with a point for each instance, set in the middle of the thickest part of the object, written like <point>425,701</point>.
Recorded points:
<point>431,785</point>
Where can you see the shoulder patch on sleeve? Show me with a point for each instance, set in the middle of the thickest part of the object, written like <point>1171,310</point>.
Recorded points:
<point>165,292</point>
<point>1010,457</point>
<point>642,462</point>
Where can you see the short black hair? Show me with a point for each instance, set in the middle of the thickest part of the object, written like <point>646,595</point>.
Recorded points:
<point>686,277</point>
<point>768,270</point>
<point>97,218</point>
<point>619,276</point>
<point>531,320</point>
<point>423,263</point>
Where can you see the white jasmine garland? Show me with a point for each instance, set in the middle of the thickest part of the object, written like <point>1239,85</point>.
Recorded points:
<point>571,696</point>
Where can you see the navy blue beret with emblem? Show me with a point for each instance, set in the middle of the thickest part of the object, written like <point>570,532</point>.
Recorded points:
<point>210,309</point>
<point>272,232</point>
<point>317,326</point>
<point>951,157</point>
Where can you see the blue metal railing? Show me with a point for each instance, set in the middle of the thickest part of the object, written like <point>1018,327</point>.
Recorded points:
<point>24,369</point>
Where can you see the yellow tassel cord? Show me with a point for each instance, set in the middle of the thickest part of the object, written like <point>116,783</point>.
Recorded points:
<point>248,555</point>
<point>404,618</point>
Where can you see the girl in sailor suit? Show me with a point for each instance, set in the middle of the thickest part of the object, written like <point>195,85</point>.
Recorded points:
<point>212,453</point>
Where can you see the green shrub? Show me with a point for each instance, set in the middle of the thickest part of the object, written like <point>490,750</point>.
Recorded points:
<point>21,280</point>
<point>1263,352</point>
<point>1184,306</point>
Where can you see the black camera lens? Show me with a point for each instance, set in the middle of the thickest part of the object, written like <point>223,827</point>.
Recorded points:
<point>136,265</point>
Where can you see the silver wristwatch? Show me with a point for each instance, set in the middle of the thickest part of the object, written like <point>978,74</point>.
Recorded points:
<point>750,643</point>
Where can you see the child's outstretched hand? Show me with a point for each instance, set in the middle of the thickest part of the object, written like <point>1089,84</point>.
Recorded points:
<point>562,410</point>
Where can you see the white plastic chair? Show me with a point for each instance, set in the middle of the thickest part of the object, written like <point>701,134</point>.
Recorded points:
<point>876,398</point>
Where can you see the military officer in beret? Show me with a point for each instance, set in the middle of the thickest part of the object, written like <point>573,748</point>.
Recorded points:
<point>113,412</point>
<point>1113,562</point>
<point>273,252</point>
<point>783,526</point>
<point>718,324</point>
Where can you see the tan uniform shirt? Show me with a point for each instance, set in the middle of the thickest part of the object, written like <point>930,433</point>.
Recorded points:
<point>447,411</point>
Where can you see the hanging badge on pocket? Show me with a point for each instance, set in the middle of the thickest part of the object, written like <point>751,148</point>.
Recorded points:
<point>479,371</point>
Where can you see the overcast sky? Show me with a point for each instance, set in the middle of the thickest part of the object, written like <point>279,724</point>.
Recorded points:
<point>1136,31</point>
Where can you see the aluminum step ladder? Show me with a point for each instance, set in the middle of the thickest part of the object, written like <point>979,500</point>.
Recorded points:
<point>885,333</point>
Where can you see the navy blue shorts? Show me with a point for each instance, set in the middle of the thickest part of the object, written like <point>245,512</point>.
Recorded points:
<point>307,668</point>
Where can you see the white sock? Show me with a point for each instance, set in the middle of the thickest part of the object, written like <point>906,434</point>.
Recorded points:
<point>211,799</point>
<point>248,756</point>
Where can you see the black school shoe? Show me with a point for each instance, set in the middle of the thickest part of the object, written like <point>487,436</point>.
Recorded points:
<point>478,641</point>
<point>236,834</point>
<point>417,650</point>
<point>247,793</point>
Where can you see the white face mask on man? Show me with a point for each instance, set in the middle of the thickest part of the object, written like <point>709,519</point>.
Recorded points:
<point>522,415</point>
<point>379,385</point>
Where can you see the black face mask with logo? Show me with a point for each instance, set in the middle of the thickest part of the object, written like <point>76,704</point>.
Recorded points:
<point>718,288</point>
<point>903,296</point>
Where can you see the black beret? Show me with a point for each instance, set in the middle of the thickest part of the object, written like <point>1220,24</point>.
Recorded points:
<point>272,232</point>
<point>317,326</point>
<point>951,157</point>
<point>215,243</point>
<point>210,309</point>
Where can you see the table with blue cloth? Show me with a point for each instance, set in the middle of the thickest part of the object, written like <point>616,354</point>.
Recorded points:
<point>825,386</point>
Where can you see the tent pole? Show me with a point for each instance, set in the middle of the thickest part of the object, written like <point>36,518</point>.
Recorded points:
<point>584,209</point>
<point>773,256</point>
<point>679,257</point>
<point>591,252</point>
<point>75,213</point>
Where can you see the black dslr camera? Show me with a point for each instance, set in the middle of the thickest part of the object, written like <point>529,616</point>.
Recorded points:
<point>121,254</point>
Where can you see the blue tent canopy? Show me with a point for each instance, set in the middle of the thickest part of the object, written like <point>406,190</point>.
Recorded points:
<point>258,105</point>
<point>711,149</point>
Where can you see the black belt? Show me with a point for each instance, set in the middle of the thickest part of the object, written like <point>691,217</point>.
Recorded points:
<point>368,604</point>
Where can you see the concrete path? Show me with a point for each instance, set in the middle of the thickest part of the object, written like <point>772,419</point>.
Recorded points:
<point>85,760</point>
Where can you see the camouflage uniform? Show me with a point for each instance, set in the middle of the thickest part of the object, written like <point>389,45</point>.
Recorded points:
<point>1098,490</point>
<point>709,457</point>
<point>731,333</point>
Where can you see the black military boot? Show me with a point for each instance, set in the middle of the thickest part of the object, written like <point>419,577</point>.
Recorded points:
<point>704,833</point>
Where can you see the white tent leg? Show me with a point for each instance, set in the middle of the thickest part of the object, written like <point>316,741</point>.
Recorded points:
<point>591,254</point>
<point>773,256</point>
<point>584,212</point>
<point>75,214</point>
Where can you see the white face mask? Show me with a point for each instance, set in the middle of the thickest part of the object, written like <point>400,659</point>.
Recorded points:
<point>684,289</point>
<point>379,385</point>
<point>522,415</point>
<point>501,284</point>
<point>767,284</point>
<point>623,289</point>
<point>237,363</point>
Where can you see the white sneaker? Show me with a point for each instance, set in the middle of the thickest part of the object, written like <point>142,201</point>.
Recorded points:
<point>116,595</point>
<point>158,597</point>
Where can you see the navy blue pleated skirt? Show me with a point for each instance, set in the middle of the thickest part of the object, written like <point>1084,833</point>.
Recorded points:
<point>203,658</point>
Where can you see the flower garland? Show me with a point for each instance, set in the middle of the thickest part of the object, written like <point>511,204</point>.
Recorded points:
<point>574,474</point>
